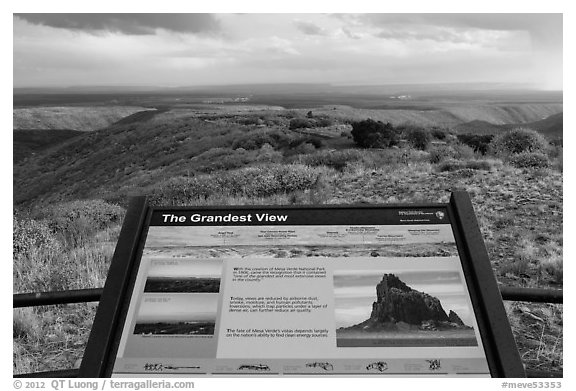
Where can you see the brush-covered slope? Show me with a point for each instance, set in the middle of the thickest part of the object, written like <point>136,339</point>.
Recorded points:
<point>551,126</point>
<point>29,142</point>
<point>86,118</point>
<point>123,159</point>
<point>449,114</point>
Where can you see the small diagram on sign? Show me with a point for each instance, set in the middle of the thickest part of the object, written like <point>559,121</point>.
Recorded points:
<point>157,367</point>
<point>254,367</point>
<point>324,365</point>
<point>434,365</point>
<point>379,366</point>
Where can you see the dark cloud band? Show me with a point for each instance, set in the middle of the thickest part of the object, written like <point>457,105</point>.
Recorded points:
<point>309,28</point>
<point>545,29</point>
<point>133,24</point>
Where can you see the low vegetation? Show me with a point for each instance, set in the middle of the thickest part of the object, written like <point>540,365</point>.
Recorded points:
<point>69,202</point>
<point>251,182</point>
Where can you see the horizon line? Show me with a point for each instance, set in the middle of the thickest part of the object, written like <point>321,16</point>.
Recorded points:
<point>150,87</point>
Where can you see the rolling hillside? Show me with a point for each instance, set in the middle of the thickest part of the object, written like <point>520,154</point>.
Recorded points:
<point>449,115</point>
<point>144,149</point>
<point>551,126</point>
<point>29,142</point>
<point>100,163</point>
<point>85,118</point>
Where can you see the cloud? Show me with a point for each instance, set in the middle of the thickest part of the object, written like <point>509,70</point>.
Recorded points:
<point>544,29</point>
<point>229,48</point>
<point>481,21</point>
<point>350,34</point>
<point>130,24</point>
<point>309,28</point>
<point>408,34</point>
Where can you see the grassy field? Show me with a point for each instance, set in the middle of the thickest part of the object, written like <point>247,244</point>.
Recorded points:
<point>70,199</point>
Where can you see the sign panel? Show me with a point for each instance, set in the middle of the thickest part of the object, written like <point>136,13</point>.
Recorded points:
<point>301,291</point>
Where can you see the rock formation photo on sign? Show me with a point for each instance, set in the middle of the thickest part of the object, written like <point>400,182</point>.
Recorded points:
<point>403,316</point>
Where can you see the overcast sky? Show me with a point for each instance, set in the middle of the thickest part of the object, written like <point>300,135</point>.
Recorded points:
<point>203,49</point>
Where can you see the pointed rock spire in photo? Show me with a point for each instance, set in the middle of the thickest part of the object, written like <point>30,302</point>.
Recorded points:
<point>454,318</point>
<point>397,302</point>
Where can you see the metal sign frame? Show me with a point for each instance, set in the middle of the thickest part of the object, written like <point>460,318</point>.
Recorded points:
<point>501,351</point>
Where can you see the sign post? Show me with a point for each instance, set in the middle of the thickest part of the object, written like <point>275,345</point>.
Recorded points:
<point>369,290</point>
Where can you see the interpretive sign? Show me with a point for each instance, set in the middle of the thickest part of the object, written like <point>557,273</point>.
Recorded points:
<point>332,290</point>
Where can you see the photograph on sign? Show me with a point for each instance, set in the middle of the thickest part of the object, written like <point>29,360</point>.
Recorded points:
<point>401,315</point>
<point>177,276</point>
<point>176,315</point>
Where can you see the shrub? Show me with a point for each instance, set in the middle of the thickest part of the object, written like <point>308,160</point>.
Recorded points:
<point>298,123</point>
<point>484,165</point>
<point>323,122</point>
<point>517,141</point>
<point>30,234</point>
<point>254,120</point>
<point>441,153</point>
<point>333,159</point>
<point>294,178</point>
<point>438,133</point>
<point>450,165</point>
<point>268,180</point>
<point>310,122</point>
<point>304,149</point>
<point>315,141</point>
<point>463,151</point>
<point>99,213</point>
<point>217,159</point>
<point>179,190</point>
<point>479,143</point>
<point>374,134</point>
<point>418,137</point>
<point>266,154</point>
<point>257,138</point>
<point>456,165</point>
<point>76,222</point>
<point>258,181</point>
<point>530,160</point>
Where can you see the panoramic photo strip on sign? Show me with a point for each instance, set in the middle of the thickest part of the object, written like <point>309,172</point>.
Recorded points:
<point>294,292</point>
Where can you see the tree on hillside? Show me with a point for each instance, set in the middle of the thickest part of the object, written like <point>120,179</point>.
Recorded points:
<point>518,140</point>
<point>374,134</point>
<point>418,137</point>
<point>479,142</point>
